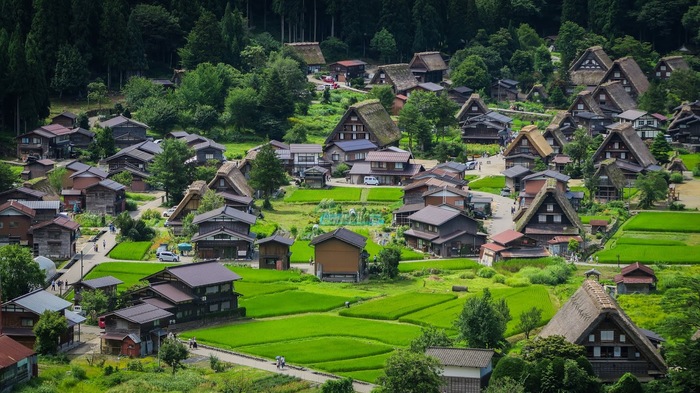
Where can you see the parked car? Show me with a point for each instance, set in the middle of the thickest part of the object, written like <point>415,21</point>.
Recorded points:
<point>471,165</point>
<point>328,79</point>
<point>479,214</point>
<point>371,181</point>
<point>162,248</point>
<point>505,191</point>
<point>169,212</point>
<point>167,256</point>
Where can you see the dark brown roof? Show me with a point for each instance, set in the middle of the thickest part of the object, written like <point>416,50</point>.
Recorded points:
<point>586,97</point>
<point>675,62</point>
<point>388,156</point>
<point>171,292</point>
<point>376,120</point>
<point>399,74</point>
<point>461,357</point>
<point>506,236</point>
<point>433,215</point>
<point>637,266</point>
<point>474,99</point>
<point>61,221</point>
<point>200,273</point>
<point>617,94</point>
<point>309,51</point>
<point>432,60</point>
<point>277,239</point>
<point>19,207</point>
<point>226,211</point>
<point>197,188</point>
<point>232,175</point>
<point>590,77</point>
<point>12,352</point>
<point>586,309</point>
<point>143,313</point>
<point>634,74</point>
<point>610,169</point>
<point>556,135</point>
<point>24,190</point>
<point>342,234</point>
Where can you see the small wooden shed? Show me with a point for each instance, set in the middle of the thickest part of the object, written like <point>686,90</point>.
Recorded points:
<point>274,252</point>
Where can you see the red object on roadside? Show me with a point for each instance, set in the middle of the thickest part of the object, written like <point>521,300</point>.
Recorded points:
<point>101,322</point>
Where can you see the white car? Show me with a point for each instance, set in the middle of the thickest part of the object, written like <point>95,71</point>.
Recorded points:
<point>167,256</point>
<point>169,212</point>
<point>371,181</point>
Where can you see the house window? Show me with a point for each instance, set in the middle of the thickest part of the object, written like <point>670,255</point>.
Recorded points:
<point>628,89</point>
<point>550,207</point>
<point>398,165</point>
<point>557,218</point>
<point>658,73</point>
<point>459,203</point>
<point>616,352</point>
<point>366,136</point>
<point>13,224</point>
<point>335,157</point>
<point>2,224</point>
<point>591,338</point>
<point>542,218</point>
<point>225,305</point>
<point>27,322</point>
<point>475,108</point>
<point>523,142</point>
<point>596,352</point>
<point>214,307</point>
<point>225,287</point>
<point>622,338</point>
<point>663,68</point>
<point>617,75</point>
<point>25,140</point>
<point>607,335</point>
<point>623,156</point>
<point>607,154</point>
<point>341,135</point>
<point>212,289</point>
<point>579,107</point>
<point>602,98</point>
<point>360,156</point>
<point>122,324</point>
<point>222,183</point>
<point>209,156</point>
<point>616,145</point>
<point>354,136</point>
<point>353,118</point>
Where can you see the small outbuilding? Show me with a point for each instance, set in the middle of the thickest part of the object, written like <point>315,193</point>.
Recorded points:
<point>273,252</point>
<point>18,364</point>
<point>340,255</point>
<point>316,176</point>
<point>464,369</point>
<point>47,266</point>
<point>636,278</point>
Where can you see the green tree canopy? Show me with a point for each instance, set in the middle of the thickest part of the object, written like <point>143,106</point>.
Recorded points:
<point>169,171</point>
<point>472,72</point>
<point>529,320</point>
<point>384,43</point>
<point>172,352</point>
<point>160,113</point>
<point>48,330</point>
<point>660,148</point>
<point>384,94</point>
<point>204,43</point>
<point>652,187</point>
<point>210,201</point>
<point>551,347</point>
<point>267,174</point>
<point>7,177</point>
<point>137,89</point>
<point>94,303</point>
<point>411,372</point>
<point>71,73</point>
<point>19,274</point>
<point>430,337</point>
<point>338,386</point>
<point>389,258</point>
<point>482,321</point>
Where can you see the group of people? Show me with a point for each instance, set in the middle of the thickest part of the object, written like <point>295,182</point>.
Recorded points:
<point>280,362</point>
<point>60,284</point>
<point>192,343</point>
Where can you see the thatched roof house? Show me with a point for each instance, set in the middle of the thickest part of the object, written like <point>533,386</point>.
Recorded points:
<point>398,76</point>
<point>474,106</point>
<point>555,216</point>
<point>536,145</point>
<point>627,71</point>
<point>667,65</point>
<point>366,120</point>
<point>590,68</point>
<point>627,146</point>
<point>311,53</point>
<point>614,344</point>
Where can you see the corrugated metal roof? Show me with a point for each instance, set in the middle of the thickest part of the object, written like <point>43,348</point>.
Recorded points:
<point>462,357</point>
<point>227,211</point>
<point>40,301</point>
<point>276,238</point>
<point>142,313</point>
<point>388,156</point>
<point>119,120</point>
<point>296,148</point>
<point>20,207</point>
<point>12,352</point>
<point>433,215</point>
<point>41,205</point>
<point>359,144</point>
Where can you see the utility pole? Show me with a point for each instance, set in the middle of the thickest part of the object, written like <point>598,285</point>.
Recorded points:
<point>81,265</point>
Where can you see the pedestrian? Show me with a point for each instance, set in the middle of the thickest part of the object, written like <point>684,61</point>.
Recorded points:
<point>189,342</point>
<point>95,247</point>
<point>59,282</point>
<point>104,244</point>
<point>66,284</point>
<point>282,361</point>
<point>53,285</point>
<point>278,362</point>
<point>194,342</point>
<point>479,167</point>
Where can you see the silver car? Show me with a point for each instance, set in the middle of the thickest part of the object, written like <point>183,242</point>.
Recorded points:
<point>167,256</point>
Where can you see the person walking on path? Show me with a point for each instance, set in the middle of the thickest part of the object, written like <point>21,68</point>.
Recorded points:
<point>282,361</point>
<point>53,285</point>
<point>104,244</point>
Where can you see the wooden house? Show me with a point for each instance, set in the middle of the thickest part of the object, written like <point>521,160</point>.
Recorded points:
<point>56,238</point>
<point>43,210</point>
<point>366,120</point>
<point>346,70</point>
<point>135,331</point>
<point>474,106</point>
<point>443,232</point>
<point>527,146</point>
<point>510,244</point>
<point>51,141</point>
<point>400,215</point>
<point>125,131</point>
<point>685,125</point>
<point>550,214</point>
<point>66,119</point>
<point>38,168</point>
<point>636,278</point>
<point>311,53</point>
<point>590,68</point>
<point>447,196</point>
<point>428,67</point>
<point>188,204</point>
<point>135,159</point>
<point>555,139</point>
<point>598,226</point>
<point>414,191</point>
<point>105,197</point>
<point>207,151</point>
<point>631,154</point>
<point>533,183</point>
<point>667,65</point>
<point>460,94</point>
<point>627,71</point>
<point>106,285</point>
<point>646,124</point>
<point>230,183</point>
<point>73,200</point>
<point>316,177</point>
<point>537,94</point>
<point>607,100</point>
<point>463,369</point>
<point>611,181</point>
<point>192,292</point>
<point>585,102</point>
<point>224,233</point>
<point>444,174</point>
<point>20,315</point>
<point>80,138</point>
<point>505,90</point>
<point>88,177</point>
<point>348,152</point>
<point>273,252</point>
<point>304,156</point>
<point>487,129</point>
<point>614,344</point>
<point>21,194</point>
<point>18,364</point>
<point>514,177</point>
<point>389,167</point>
<point>559,245</point>
<point>564,121</point>
<point>281,151</point>
<point>15,221</point>
<point>593,123</point>
<point>398,76</point>
<point>340,256</point>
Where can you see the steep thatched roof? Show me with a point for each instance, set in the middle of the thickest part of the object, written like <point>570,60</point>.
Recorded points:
<point>309,51</point>
<point>536,140</point>
<point>610,169</point>
<point>634,75</point>
<point>550,188</point>
<point>632,140</point>
<point>376,120</point>
<point>197,188</point>
<point>428,61</point>
<point>556,134</point>
<point>586,309</point>
<point>538,88</point>
<point>676,165</point>
<point>474,106</point>
<point>398,75</point>
<point>581,75</point>
<point>674,62</point>
<point>233,177</point>
<point>620,98</point>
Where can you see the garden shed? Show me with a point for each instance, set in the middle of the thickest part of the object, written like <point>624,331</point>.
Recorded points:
<point>273,252</point>
<point>316,177</point>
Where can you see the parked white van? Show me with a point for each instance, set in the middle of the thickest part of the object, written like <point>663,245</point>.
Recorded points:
<point>371,181</point>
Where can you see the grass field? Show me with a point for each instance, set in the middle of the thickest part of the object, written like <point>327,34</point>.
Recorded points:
<point>393,307</point>
<point>490,184</point>
<point>265,275</point>
<point>130,273</point>
<point>140,196</point>
<point>291,302</point>
<point>340,194</point>
<point>664,222</point>
<point>650,253</point>
<point>587,219</point>
<point>690,160</point>
<point>445,264</point>
<point>130,251</point>
<point>379,194</point>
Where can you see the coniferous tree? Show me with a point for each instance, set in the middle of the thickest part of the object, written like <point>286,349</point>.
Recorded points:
<point>204,43</point>
<point>426,20</point>
<point>397,19</point>
<point>113,36</point>
<point>267,174</point>
<point>235,36</point>
<point>71,71</point>
<point>574,11</point>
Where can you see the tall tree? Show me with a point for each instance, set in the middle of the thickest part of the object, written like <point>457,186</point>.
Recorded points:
<point>482,321</point>
<point>529,320</point>
<point>384,94</point>
<point>654,99</point>
<point>472,72</point>
<point>204,43</point>
<point>169,171</point>
<point>384,43</point>
<point>569,42</point>
<point>426,21</point>
<point>210,201</point>
<point>35,105</point>
<point>411,372</point>
<point>160,113</point>
<point>267,174</point>
<point>50,36</point>
<point>48,330</point>
<point>114,36</point>
<point>71,71</point>
<point>160,31</point>
<point>85,22</point>
<point>430,337</point>
<point>172,352</point>
<point>135,51</point>
<point>241,108</point>
<point>660,148</point>
<point>19,274</point>
<point>8,178</point>
<point>652,187</point>
<point>574,11</point>
<point>416,126</point>
<point>235,36</point>
<point>396,17</point>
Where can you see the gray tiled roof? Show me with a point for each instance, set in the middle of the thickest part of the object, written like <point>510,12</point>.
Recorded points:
<point>461,357</point>
<point>40,301</point>
<point>228,211</point>
<point>41,205</point>
<point>433,215</point>
<point>359,144</point>
<point>276,238</point>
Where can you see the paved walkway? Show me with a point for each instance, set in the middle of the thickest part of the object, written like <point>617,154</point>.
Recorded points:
<point>269,365</point>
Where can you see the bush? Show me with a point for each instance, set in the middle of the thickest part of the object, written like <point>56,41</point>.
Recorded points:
<point>675,206</point>
<point>486,272</point>
<point>340,170</point>
<point>550,275</point>
<point>150,214</point>
<point>516,282</point>
<point>134,365</point>
<point>108,370</point>
<point>499,278</point>
<point>676,178</point>
<point>131,205</point>
<point>78,372</point>
<point>468,275</point>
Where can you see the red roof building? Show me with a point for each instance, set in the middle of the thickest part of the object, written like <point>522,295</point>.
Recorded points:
<point>18,364</point>
<point>636,278</point>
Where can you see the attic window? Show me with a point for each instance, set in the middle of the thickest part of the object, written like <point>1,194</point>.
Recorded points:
<point>622,338</point>
<point>475,108</point>
<point>550,207</point>
<point>617,75</point>
<point>579,106</point>
<point>607,335</point>
<point>557,218</point>
<point>663,68</point>
<point>353,118</point>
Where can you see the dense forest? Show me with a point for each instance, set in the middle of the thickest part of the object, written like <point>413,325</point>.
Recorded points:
<point>57,47</point>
